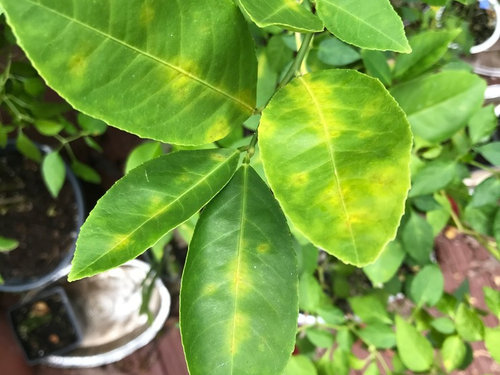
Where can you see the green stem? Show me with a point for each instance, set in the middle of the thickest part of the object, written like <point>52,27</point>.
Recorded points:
<point>381,360</point>
<point>485,168</point>
<point>292,71</point>
<point>295,67</point>
<point>251,148</point>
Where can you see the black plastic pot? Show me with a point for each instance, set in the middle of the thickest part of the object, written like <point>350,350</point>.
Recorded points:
<point>64,265</point>
<point>45,325</point>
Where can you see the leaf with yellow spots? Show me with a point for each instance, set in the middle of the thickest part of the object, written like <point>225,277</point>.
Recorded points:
<point>182,72</point>
<point>149,201</point>
<point>288,14</point>
<point>336,149</point>
<point>239,302</point>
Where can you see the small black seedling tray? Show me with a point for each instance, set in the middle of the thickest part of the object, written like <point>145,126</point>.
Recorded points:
<point>45,325</point>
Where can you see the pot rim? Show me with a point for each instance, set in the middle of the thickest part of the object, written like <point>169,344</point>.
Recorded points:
<point>69,312</point>
<point>117,354</point>
<point>64,266</point>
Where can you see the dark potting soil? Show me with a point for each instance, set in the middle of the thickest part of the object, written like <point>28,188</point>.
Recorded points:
<point>45,227</point>
<point>44,326</point>
<point>481,21</point>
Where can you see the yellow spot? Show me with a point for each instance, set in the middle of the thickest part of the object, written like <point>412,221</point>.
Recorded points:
<point>217,157</point>
<point>219,129</point>
<point>147,13</point>
<point>209,289</point>
<point>299,179</point>
<point>78,64</point>
<point>240,331</point>
<point>263,248</point>
<point>184,178</point>
<point>334,133</point>
<point>121,240</point>
<point>365,134</point>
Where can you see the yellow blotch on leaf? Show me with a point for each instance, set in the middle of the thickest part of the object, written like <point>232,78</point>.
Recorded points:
<point>263,248</point>
<point>209,289</point>
<point>240,331</point>
<point>219,129</point>
<point>78,64</point>
<point>147,13</point>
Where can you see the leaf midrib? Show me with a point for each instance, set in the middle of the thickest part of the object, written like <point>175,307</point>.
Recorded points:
<point>148,55</point>
<point>158,213</point>
<point>380,32</point>
<point>244,198</point>
<point>333,163</point>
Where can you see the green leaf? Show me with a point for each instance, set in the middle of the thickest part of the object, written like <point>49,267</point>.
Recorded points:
<point>427,49</point>
<point>414,349</point>
<point>34,86</point>
<point>486,193</point>
<point>287,14</point>
<point>91,125</point>
<point>334,52</point>
<point>331,314</point>
<point>482,124</point>
<point>468,323</point>
<point>8,244</point>
<point>300,365</point>
<point>496,228</point>
<point>369,24</point>
<point>319,337</point>
<point>453,352</point>
<point>144,70</point>
<point>372,369</point>
<point>310,293</point>
<point>376,65</point>
<point>307,258</point>
<point>147,203</point>
<point>239,288</point>
<point>418,239</point>
<point>48,127</point>
<point>434,176</point>
<point>141,154</point>
<point>26,147</point>
<point>53,172</point>
<point>380,336</point>
<point>323,139</point>
<point>443,325</point>
<point>370,309</point>
<point>439,105</point>
<point>492,342</point>
<point>492,298</point>
<point>386,266</point>
<point>85,172</point>
<point>428,286</point>
<point>490,152</point>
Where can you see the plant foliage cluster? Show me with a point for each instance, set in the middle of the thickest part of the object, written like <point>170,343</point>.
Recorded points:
<point>316,116</point>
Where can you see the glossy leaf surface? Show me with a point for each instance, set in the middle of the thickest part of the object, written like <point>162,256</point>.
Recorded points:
<point>469,325</point>
<point>337,140</point>
<point>239,303</point>
<point>427,48</point>
<point>414,349</point>
<point>176,71</point>
<point>8,244</point>
<point>453,352</point>
<point>147,203</point>
<point>428,285</point>
<point>288,14</point>
<point>439,105</point>
<point>53,172</point>
<point>386,266</point>
<point>492,341</point>
<point>368,24</point>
